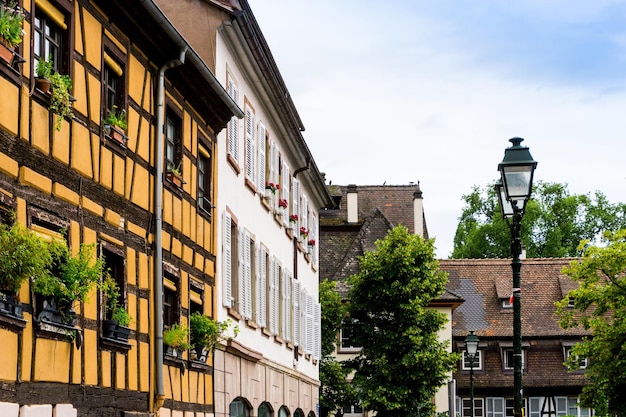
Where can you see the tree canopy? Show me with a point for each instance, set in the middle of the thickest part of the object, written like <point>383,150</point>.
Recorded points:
<point>335,390</point>
<point>600,306</point>
<point>402,362</point>
<point>554,223</point>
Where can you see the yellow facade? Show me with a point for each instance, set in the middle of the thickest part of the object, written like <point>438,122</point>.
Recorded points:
<point>97,191</point>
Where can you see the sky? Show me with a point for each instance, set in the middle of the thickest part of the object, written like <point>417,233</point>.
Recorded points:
<point>431,91</point>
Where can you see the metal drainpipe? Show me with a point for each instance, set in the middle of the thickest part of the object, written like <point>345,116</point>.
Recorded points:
<point>158,227</point>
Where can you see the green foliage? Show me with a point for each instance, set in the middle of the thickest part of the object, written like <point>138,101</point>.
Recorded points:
<point>11,19</point>
<point>112,296</point>
<point>71,277</point>
<point>335,390</point>
<point>60,99</point>
<point>402,363</point>
<point>44,68</point>
<point>23,254</point>
<point>600,306</point>
<point>206,332</point>
<point>116,118</point>
<point>177,337</point>
<point>554,222</point>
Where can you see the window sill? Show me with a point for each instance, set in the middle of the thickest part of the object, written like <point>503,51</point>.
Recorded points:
<point>234,165</point>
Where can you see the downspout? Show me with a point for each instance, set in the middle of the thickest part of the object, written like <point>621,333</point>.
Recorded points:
<point>158,227</point>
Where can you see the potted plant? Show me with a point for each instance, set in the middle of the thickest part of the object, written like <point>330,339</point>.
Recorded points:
<point>70,279</point>
<point>43,71</point>
<point>60,98</point>
<point>11,32</point>
<point>118,319</point>
<point>206,333</point>
<point>115,125</point>
<point>304,233</point>
<point>174,174</point>
<point>176,338</point>
<point>23,254</point>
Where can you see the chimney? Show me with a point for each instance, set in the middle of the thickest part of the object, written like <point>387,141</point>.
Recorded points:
<point>353,204</point>
<point>418,212</point>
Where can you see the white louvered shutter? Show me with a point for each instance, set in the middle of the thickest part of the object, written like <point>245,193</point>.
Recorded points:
<point>295,203</point>
<point>317,331</point>
<point>227,299</point>
<point>313,235</point>
<point>296,312</point>
<point>286,176</point>
<point>250,146</point>
<point>273,311</point>
<point>233,124</point>
<point>239,302</point>
<point>246,296</point>
<point>261,289</point>
<point>309,325</point>
<point>304,210</point>
<point>273,171</point>
<point>276,298</point>
<point>287,310</point>
<point>261,160</point>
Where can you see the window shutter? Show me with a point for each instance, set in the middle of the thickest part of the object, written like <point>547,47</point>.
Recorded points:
<point>296,312</point>
<point>273,299</point>
<point>227,299</point>
<point>246,308</point>
<point>308,348</point>
<point>272,164</point>
<point>295,203</point>
<point>286,306</point>
<point>304,211</point>
<point>233,124</point>
<point>317,331</point>
<point>261,160</point>
<point>239,295</point>
<point>250,146</point>
<point>261,289</point>
<point>286,176</point>
<point>313,236</point>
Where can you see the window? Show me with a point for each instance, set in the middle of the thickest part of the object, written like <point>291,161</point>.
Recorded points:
<point>479,407</point>
<point>265,410</point>
<point>173,143</point>
<point>507,303</point>
<point>50,34</point>
<point>196,297</point>
<point>250,168</point>
<point>113,79</point>
<point>478,361</point>
<point>347,334</point>
<point>170,300</point>
<point>582,363</point>
<point>238,408</point>
<point>205,179</point>
<point>233,127</point>
<point>114,265</point>
<point>509,359</point>
<point>352,409</point>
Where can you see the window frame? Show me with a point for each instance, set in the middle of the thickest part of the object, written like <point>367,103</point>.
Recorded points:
<point>352,347</point>
<point>505,359</point>
<point>62,61</point>
<point>171,297</point>
<point>204,176</point>
<point>478,361</point>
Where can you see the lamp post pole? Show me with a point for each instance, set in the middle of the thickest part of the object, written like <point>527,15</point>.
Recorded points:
<point>516,169</point>
<point>471,349</point>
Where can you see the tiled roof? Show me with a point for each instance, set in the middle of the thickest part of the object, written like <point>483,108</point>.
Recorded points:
<point>485,283</point>
<point>394,201</point>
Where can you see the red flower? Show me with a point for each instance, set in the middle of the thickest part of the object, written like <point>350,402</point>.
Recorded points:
<point>312,242</point>
<point>303,231</point>
<point>293,218</point>
<point>282,203</point>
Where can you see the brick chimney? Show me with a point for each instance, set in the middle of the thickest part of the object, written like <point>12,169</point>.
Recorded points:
<point>353,204</point>
<point>418,212</point>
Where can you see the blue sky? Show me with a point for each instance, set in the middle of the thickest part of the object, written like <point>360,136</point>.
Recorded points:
<point>431,91</point>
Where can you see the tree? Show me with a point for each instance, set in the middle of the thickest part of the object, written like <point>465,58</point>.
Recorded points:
<point>600,306</point>
<point>554,223</point>
<point>335,389</point>
<point>402,363</point>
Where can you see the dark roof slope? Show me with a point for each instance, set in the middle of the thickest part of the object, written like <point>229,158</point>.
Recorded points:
<point>485,283</point>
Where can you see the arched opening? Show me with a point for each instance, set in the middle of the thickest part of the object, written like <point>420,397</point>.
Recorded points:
<point>239,407</point>
<point>283,412</point>
<point>265,410</point>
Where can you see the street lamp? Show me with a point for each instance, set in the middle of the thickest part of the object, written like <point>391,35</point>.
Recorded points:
<point>516,170</point>
<point>471,349</point>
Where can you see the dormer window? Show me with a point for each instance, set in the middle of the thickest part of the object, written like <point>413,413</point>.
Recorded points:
<point>582,363</point>
<point>506,303</point>
<point>467,361</point>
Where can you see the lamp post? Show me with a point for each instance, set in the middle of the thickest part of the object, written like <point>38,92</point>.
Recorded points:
<point>516,170</point>
<point>471,349</point>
